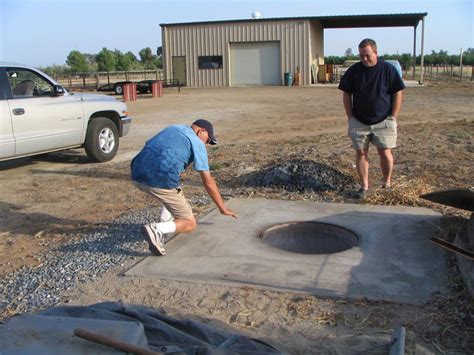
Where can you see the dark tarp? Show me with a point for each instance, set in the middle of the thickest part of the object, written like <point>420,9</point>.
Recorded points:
<point>166,334</point>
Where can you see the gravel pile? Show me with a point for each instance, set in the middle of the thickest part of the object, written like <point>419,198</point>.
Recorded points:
<point>88,257</point>
<point>300,175</point>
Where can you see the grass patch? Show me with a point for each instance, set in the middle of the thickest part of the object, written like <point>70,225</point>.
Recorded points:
<point>216,166</point>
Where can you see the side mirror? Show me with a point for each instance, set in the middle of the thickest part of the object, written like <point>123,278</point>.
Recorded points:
<point>59,90</point>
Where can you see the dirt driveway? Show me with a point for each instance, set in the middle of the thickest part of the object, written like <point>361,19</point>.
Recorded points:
<point>44,199</point>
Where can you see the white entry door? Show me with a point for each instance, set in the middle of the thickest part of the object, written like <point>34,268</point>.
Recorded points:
<point>255,63</point>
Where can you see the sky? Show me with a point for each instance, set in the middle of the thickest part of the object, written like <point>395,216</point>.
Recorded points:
<point>42,32</point>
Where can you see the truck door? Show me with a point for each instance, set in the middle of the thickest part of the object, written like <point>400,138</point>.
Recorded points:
<point>7,141</point>
<point>40,120</point>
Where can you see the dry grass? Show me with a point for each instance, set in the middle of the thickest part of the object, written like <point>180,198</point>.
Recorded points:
<point>406,191</point>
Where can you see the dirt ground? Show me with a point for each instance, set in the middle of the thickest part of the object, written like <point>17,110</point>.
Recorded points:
<point>45,199</point>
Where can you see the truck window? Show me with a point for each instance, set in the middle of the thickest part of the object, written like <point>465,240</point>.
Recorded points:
<point>25,83</point>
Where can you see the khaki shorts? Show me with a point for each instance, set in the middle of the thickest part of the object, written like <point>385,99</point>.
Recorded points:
<point>382,135</point>
<point>172,199</point>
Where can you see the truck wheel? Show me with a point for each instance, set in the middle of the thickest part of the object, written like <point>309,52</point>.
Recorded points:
<point>102,139</point>
<point>118,89</point>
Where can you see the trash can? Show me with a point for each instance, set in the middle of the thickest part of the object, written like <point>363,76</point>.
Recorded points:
<point>288,79</point>
<point>130,92</point>
<point>157,88</point>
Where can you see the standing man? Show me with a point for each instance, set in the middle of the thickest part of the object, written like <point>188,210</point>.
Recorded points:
<point>157,168</point>
<point>372,100</point>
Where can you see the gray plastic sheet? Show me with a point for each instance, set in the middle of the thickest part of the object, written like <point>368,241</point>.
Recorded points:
<point>166,334</point>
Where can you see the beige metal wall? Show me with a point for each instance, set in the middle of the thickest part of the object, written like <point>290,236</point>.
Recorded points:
<point>192,41</point>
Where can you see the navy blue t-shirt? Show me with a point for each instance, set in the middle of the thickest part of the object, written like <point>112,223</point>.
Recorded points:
<point>166,155</point>
<point>371,89</point>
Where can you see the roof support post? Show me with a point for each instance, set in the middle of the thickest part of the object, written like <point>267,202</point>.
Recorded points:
<point>422,46</point>
<point>414,52</point>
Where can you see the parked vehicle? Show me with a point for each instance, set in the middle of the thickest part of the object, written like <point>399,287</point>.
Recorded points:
<point>349,63</point>
<point>143,86</point>
<point>397,66</point>
<point>115,87</point>
<point>39,116</point>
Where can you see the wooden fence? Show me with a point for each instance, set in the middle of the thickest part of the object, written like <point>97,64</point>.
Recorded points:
<point>449,71</point>
<point>92,81</point>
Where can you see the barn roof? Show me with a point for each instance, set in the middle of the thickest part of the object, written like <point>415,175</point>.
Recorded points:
<point>345,21</point>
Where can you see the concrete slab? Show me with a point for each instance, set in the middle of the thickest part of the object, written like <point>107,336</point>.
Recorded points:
<point>394,260</point>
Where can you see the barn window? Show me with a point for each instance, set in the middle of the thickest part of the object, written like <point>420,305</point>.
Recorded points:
<point>210,62</point>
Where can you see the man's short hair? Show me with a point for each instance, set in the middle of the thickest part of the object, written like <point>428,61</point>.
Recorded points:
<point>368,42</point>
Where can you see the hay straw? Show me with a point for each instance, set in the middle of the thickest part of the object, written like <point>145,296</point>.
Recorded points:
<point>406,191</point>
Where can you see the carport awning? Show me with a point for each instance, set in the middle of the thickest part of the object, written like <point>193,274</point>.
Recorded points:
<point>354,21</point>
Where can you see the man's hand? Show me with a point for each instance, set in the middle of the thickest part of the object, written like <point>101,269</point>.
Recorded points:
<point>228,212</point>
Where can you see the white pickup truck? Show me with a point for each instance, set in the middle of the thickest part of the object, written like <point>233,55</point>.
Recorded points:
<point>37,115</point>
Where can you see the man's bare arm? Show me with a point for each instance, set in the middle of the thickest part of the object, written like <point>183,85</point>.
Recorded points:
<point>213,191</point>
<point>347,101</point>
<point>396,103</point>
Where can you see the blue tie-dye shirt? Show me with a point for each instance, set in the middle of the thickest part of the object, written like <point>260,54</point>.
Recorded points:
<point>166,155</point>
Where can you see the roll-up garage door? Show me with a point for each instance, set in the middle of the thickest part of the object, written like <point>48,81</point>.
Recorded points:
<point>255,63</point>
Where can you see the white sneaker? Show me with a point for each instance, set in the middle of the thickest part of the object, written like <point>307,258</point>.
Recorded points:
<point>154,237</point>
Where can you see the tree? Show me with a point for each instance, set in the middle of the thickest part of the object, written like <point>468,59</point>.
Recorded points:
<point>468,57</point>
<point>77,62</point>
<point>131,56</point>
<point>405,60</point>
<point>158,62</point>
<point>55,70</point>
<point>348,52</point>
<point>124,62</point>
<point>91,61</point>
<point>147,58</point>
<point>159,51</point>
<point>106,60</point>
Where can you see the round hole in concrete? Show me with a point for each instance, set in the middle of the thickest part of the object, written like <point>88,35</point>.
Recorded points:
<point>310,237</point>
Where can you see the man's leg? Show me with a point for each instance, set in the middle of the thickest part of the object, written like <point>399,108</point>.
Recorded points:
<point>185,225</point>
<point>174,205</point>
<point>361,137</point>
<point>385,139</point>
<point>155,232</point>
<point>362,164</point>
<point>165,215</point>
<point>386,164</point>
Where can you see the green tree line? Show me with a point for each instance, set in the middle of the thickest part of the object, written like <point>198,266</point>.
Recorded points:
<point>107,60</point>
<point>435,58</point>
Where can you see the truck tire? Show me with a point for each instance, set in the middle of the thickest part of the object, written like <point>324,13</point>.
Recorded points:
<point>118,89</point>
<point>102,139</point>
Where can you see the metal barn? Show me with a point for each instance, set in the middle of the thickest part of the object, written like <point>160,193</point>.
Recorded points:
<point>258,51</point>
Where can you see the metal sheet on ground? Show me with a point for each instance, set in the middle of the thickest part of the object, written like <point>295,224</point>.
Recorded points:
<point>459,198</point>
